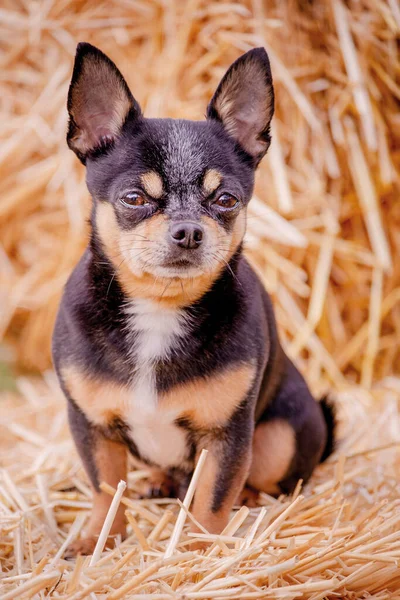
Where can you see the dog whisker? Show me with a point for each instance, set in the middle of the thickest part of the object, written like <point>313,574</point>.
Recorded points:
<point>113,277</point>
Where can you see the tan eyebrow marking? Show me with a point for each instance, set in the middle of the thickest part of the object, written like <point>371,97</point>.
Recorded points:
<point>212,179</point>
<point>152,184</point>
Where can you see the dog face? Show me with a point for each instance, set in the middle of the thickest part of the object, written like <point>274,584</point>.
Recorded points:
<point>170,196</point>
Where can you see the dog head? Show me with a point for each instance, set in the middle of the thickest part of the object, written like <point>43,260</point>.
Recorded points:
<point>170,196</point>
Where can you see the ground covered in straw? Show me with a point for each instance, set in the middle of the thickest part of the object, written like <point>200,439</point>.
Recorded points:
<point>323,233</point>
<point>339,537</point>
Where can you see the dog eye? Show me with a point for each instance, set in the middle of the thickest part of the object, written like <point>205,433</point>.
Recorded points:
<point>226,201</point>
<point>134,199</point>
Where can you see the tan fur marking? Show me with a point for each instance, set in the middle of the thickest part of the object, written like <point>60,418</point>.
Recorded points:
<point>210,401</point>
<point>99,399</point>
<point>111,463</point>
<point>203,498</point>
<point>157,481</point>
<point>226,243</point>
<point>152,184</point>
<point>274,445</point>
<point>207,402</point>
<point>173,292</point>
<point>212,180</point>
<point>239,230</point>
<point>215,522</point>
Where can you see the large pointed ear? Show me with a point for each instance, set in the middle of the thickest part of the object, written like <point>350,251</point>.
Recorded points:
<point>244,102</point>
<point>99,102</point>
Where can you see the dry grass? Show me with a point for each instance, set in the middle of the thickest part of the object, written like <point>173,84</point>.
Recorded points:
<point>340,536</point>
<point>323,232</point>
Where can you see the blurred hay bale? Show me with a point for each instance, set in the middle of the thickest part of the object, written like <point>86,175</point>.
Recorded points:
<point>324,226</point>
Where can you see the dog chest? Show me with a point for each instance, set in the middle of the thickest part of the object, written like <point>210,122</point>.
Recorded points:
<point>155,433</point>
<point>207,401</point>
<point>155,332</point>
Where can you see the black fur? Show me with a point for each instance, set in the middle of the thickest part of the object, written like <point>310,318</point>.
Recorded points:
<point>85,438</point>
<point>235,449</point>
<point>329,411</point>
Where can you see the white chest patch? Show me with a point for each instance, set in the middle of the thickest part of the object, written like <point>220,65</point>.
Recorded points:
<point>156,330</point>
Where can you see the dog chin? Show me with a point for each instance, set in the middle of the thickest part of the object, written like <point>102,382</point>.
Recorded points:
<point>176,272</point>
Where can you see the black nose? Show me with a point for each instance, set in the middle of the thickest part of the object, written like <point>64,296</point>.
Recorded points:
<point>187,234</point>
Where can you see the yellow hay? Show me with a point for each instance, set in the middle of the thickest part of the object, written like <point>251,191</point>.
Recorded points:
<point>323,234</point>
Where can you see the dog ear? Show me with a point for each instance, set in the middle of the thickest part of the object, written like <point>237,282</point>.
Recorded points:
<point>99,102</point>
<point>244,102</point>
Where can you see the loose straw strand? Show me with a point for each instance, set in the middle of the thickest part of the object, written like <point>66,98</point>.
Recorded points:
<point>108,521</point>
<point>186,504</point>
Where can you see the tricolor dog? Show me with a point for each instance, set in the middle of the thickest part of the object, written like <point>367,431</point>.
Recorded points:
<point>165,341</point>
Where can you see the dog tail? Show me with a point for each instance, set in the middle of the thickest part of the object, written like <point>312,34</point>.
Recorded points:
<point>329,412</point>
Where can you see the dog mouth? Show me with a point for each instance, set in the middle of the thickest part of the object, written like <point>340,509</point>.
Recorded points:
<point>180,264</point>
<point>182,268</point>
<point>182,261</point>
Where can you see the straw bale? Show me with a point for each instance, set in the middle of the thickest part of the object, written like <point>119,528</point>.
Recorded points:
<point>325,219</point>
<point>324,235</point>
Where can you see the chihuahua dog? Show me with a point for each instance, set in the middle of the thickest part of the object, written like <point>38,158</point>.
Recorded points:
<point>165,341</point>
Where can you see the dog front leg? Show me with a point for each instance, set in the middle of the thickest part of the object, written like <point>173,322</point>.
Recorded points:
<point>224,474</point>
<point>104,460</point>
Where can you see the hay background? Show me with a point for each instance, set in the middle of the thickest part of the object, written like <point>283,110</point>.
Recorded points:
<point>323,232</point>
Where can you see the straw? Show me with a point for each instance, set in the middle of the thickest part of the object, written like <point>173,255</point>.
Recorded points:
<point>186,504</point>
<point>323,234</point>
<point>105,530</point>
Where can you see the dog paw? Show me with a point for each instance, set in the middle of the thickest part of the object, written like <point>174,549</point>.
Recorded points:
<point>249,497</point>
<point>199,545</point>
<point>160,485</point>
<point>83,546</point>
